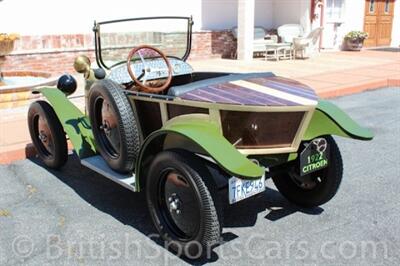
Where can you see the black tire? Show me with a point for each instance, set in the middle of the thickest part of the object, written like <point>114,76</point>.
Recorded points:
<point>326,181</point>
<point>117,141</point>
<point>197,227</point>
<point>47,134</point>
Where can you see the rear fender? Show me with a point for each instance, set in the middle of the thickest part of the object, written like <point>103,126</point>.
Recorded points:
<point>196,133</point>
<point>328,119</point>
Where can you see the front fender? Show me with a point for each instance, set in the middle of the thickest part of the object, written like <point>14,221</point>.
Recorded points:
<point>328,119</point>
<point>198,130</point>
<point>74,122</point>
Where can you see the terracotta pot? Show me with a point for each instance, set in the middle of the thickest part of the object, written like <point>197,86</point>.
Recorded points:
<point>6,47</point>
<point>354,44</point>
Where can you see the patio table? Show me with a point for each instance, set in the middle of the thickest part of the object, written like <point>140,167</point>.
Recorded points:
<point>278,50</point>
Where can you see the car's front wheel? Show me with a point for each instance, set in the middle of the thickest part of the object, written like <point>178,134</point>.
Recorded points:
<point>315,188</point>
<point>181,203</point>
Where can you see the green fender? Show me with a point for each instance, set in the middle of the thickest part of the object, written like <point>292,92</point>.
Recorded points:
<point>75,123</point>
<point>197,129</point>
<point>328,119</point>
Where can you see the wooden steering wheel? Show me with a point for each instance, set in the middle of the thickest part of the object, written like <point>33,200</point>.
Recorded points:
<point>148,70</point>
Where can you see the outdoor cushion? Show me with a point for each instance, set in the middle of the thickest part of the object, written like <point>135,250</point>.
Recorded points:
<point>259,45</point>
<point>259,33</point>
<point>259,41</point>
<point>289,31</point>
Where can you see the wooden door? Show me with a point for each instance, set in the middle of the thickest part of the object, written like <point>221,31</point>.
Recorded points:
<point>371,22</point>
<point>378,22</point>
<point>386,8</point>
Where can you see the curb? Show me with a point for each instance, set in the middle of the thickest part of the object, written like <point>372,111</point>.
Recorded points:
<point>8,157</point>
<point>29,151</point>
<point>359,87</point>
<point>21,154</point>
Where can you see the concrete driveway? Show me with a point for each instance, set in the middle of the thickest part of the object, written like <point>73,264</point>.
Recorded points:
<point>75,216</point>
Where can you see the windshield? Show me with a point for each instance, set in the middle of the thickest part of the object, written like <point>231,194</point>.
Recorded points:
<point>115,39</point>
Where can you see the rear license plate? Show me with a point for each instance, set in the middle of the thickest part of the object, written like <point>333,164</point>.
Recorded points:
<point>314,157</point>
<point>240,189</point>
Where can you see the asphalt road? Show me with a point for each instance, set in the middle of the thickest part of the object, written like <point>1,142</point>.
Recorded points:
<point>77,217</point>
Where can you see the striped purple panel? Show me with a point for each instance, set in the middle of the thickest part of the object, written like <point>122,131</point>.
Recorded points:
<point>229,93</point>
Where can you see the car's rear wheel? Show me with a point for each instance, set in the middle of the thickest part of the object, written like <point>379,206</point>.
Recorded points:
<point>47,134</point>
<point>114,125</point>
<point>315,188</point>
<point>181,200</point>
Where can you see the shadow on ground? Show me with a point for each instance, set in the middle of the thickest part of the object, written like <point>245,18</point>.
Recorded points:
<point>125,205</point>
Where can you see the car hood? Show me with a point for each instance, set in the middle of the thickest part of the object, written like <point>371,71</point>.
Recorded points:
<point>256,89</point>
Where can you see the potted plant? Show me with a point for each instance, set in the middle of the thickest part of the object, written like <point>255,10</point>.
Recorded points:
<point>354,40</point>
<point>7,43</point>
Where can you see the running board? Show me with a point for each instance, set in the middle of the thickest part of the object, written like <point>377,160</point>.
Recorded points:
<point>97,164</point>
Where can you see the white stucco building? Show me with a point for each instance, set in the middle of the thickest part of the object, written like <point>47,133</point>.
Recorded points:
<point>381,18</point>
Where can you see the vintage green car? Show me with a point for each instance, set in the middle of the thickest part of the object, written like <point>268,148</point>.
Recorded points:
<point>190,140</point>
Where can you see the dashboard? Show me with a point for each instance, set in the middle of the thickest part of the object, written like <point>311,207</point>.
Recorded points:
<point>157,67</point>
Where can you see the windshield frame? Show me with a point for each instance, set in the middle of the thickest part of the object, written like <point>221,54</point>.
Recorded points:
<point>97,33</point>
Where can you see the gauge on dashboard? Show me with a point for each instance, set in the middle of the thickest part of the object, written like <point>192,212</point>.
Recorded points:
<point>177,68</point>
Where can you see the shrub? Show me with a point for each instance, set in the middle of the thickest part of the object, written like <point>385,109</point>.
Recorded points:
<point>356,36</point>
<point>8,37</point>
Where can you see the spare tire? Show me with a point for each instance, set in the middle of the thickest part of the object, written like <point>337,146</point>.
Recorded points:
<point>114,125</point>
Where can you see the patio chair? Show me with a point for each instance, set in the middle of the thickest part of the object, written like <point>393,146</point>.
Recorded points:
<point>260,41</point>
<point>289,31</point>
<point>307,45</point>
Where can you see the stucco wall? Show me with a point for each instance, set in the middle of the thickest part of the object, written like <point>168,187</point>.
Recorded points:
<point>396,25</point>
<point>217,15</point>
<point>286,11</point>
<point>354,14</point>
<point>292,12</point>
<point>41,17</point>
<point>264,13</point>
<point>353,19</point>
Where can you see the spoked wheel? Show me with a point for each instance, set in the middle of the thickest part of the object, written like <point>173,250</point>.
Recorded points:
<point>181,203</point>
<point>114,125</point>
<point>316,188</point>
<point>47,134</point>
